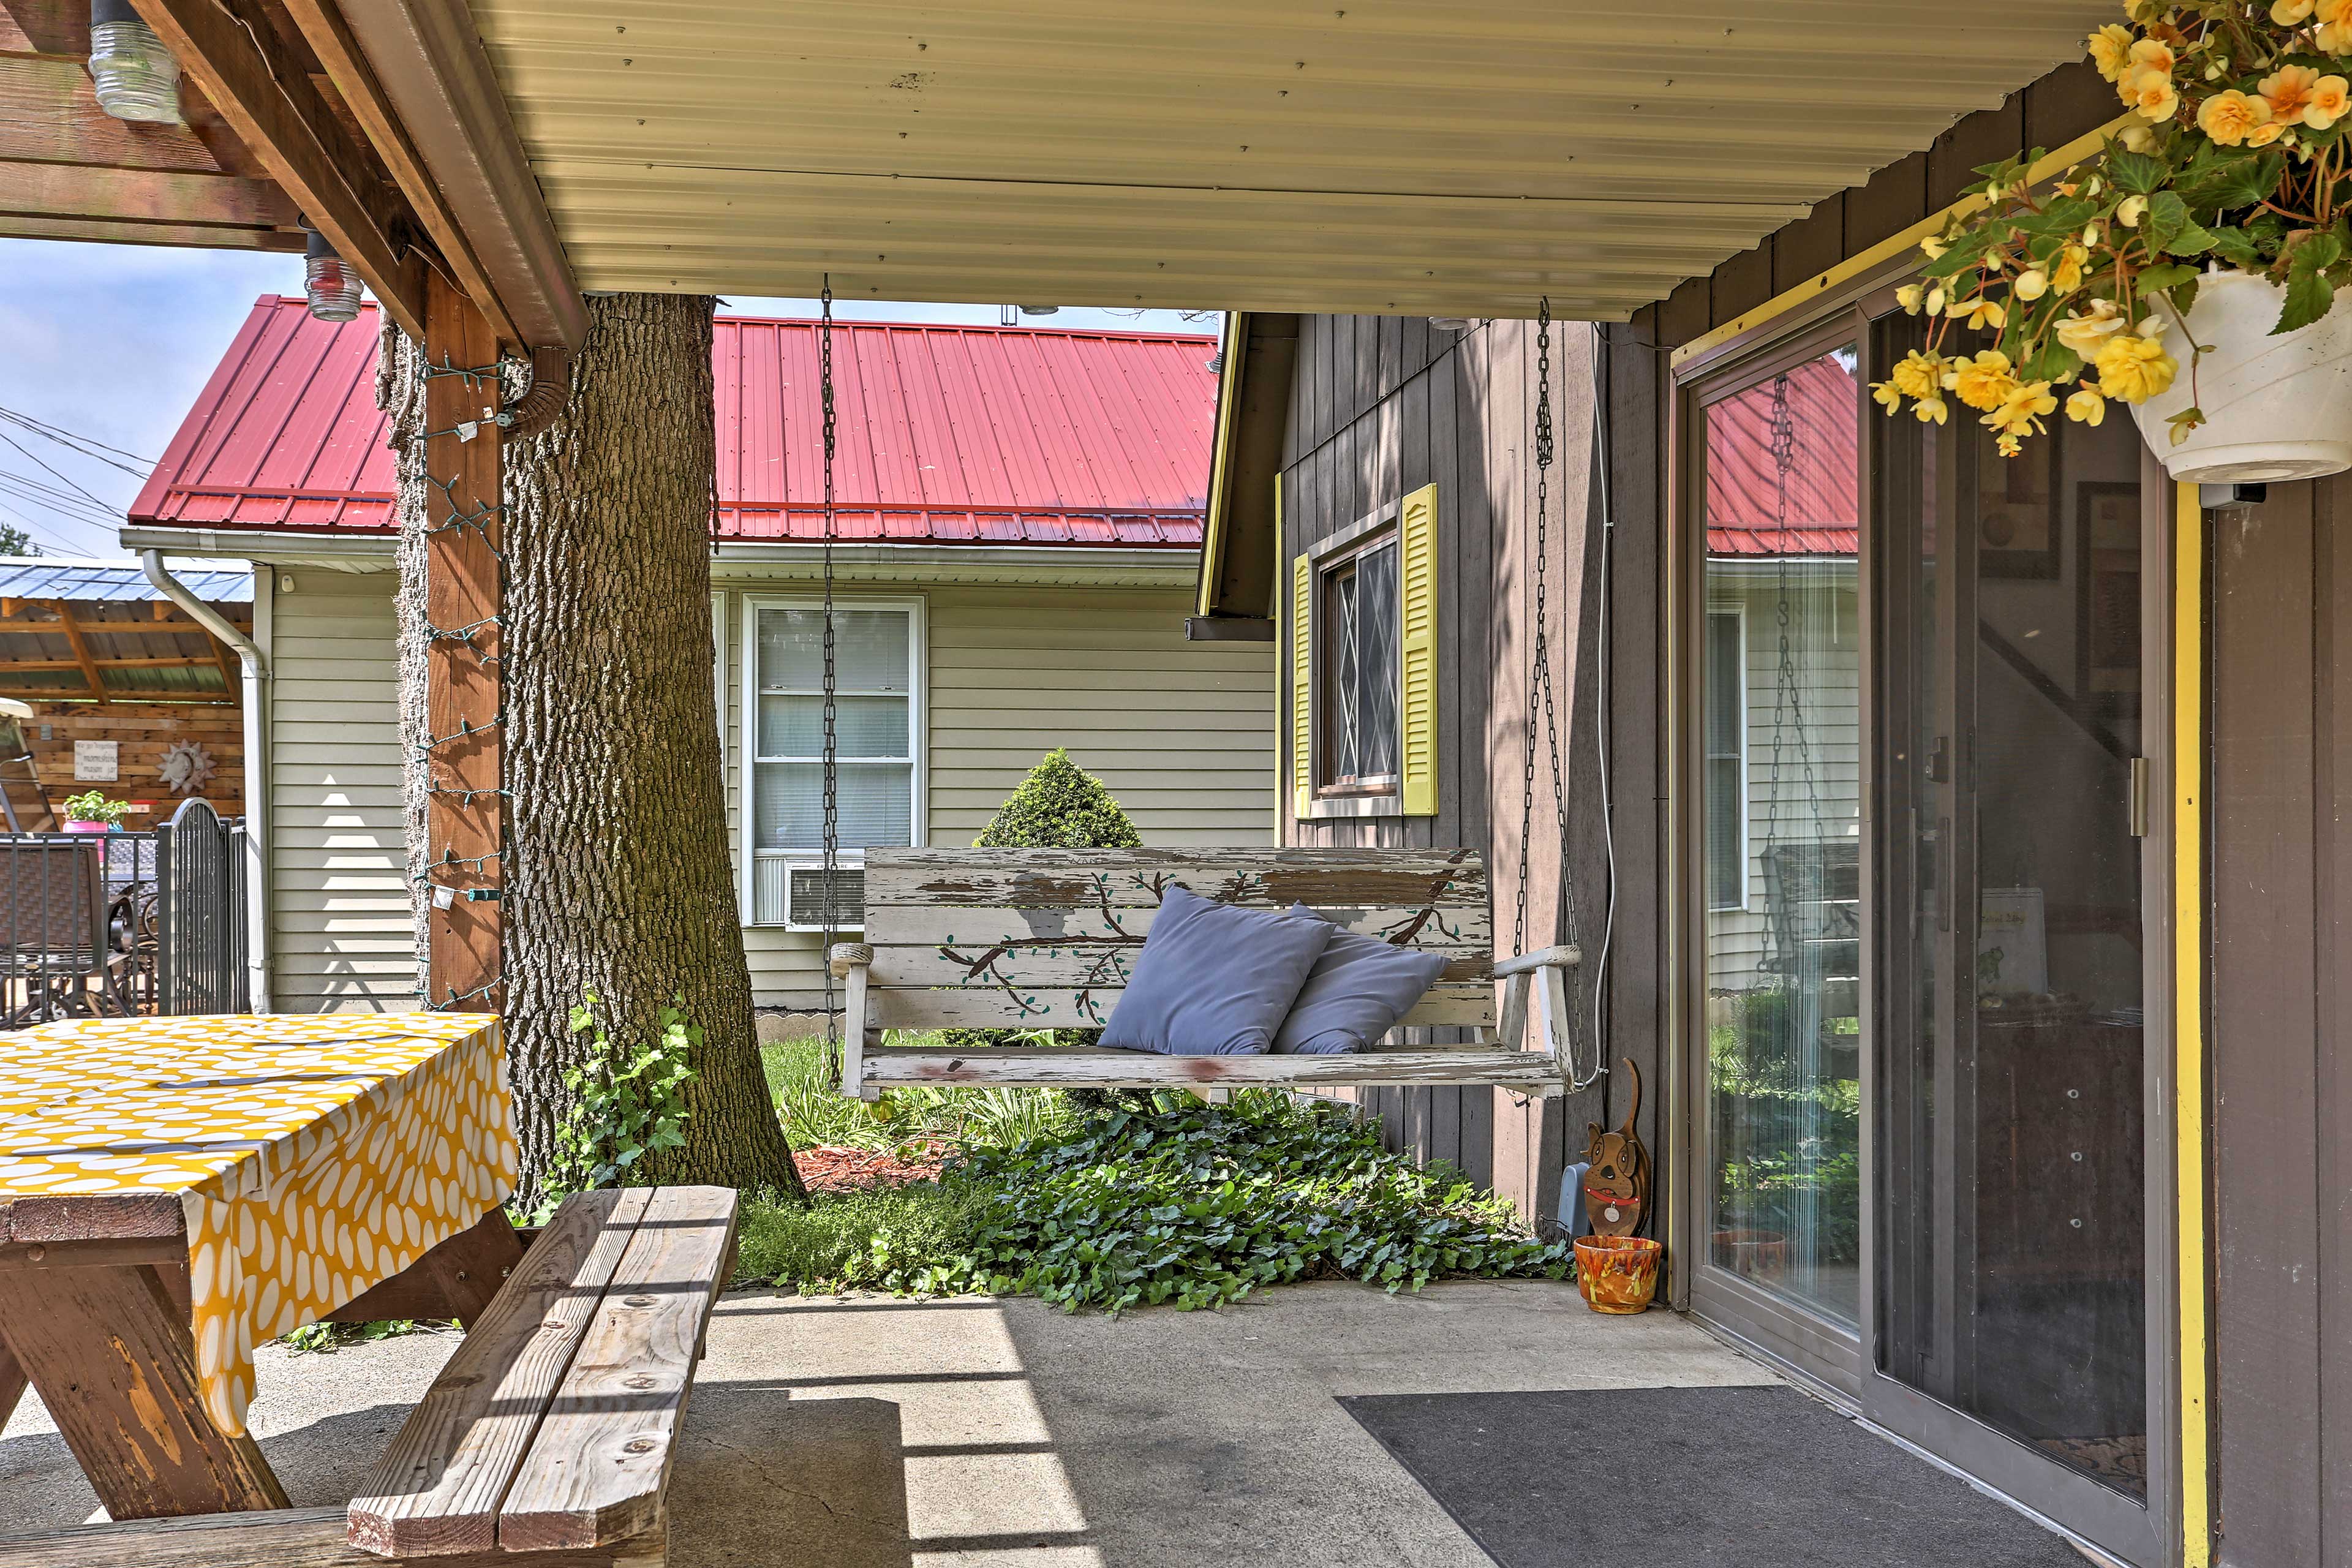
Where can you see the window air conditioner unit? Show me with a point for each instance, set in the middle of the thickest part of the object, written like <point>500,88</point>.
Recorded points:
<point>805,897</point>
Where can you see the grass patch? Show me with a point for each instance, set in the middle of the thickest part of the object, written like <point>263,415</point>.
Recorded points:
<point>817,1116</point>
<point>1163,1199</point>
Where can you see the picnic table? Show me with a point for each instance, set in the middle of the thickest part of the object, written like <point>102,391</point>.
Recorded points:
<point>176,1191</point>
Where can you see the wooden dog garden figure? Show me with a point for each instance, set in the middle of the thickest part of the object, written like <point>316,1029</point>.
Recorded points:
<point>1617,1183</point>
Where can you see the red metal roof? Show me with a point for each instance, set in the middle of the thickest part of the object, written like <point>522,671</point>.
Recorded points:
<point>1746,513</point>
<point>978,434</point>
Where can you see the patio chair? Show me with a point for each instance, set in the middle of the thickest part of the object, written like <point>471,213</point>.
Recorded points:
<point>55,937</point>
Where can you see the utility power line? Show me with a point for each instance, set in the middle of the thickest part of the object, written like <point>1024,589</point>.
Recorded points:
<point>85,445</point>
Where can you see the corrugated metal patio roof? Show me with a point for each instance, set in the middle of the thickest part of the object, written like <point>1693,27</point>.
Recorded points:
<point>1250,154</point>
<point>112,582</point>
<point>948,435</point>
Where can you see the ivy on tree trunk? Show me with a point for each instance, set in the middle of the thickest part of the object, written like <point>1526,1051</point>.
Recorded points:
<point>617,875</point>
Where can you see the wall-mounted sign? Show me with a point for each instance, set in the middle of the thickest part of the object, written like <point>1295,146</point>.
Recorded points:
<point>96,762</point>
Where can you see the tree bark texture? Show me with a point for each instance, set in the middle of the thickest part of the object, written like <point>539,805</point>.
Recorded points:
<point>617,876</point>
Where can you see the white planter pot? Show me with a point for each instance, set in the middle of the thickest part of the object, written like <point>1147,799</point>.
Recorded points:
<point>2275,408</point>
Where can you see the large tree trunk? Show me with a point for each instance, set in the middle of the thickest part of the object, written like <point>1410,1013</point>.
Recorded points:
<point>617,875</point>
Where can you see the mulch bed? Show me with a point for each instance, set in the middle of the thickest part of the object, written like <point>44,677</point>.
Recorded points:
<point>860,1170</point>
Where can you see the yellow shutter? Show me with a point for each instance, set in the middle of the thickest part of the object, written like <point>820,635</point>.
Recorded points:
<point>1417,649</point>
<point>1302,686</point>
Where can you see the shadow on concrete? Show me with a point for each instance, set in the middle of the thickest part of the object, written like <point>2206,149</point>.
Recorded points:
<point>764,1480</point>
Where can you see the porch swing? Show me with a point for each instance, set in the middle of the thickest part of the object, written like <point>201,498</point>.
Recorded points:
<point>1045,939</point>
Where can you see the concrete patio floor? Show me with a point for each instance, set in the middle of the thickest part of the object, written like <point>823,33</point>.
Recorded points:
<point>872,1433</point>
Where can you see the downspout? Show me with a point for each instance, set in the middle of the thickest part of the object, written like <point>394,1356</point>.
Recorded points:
<point>255,694</point>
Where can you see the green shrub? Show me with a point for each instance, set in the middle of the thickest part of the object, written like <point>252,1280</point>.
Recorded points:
<point>1166,1200</point>
<point>1059,805</point>
<point>853,1241</point>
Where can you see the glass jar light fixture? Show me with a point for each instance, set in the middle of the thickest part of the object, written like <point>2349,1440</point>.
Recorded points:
<point>329,282</point>
<point>136,77</point>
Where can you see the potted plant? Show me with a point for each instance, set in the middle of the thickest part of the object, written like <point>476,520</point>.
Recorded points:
<point>93,813</point>
<point>2190,269</point>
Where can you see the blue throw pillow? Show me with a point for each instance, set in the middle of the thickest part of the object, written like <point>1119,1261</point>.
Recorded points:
<point>1212,980</point>
<point>1355,994</point>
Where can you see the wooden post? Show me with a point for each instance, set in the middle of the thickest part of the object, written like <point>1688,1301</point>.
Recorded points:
<point>465,811</point>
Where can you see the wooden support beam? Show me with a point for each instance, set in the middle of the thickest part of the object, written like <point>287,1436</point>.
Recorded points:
<point>265,92</point>
<point>143,195</point>
<point>191,237</point>
<point>464,688</point>
<point>330,37</point>
<point>80,645</point>
<point>436,79</point>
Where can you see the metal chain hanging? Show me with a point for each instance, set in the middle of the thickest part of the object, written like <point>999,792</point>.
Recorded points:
<point>1787,697</point>
<point>1541,704</point>
<point>832,869</point>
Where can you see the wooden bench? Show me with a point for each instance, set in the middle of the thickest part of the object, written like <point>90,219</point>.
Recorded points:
<point>545,1443</point>
<point>1036,938</point>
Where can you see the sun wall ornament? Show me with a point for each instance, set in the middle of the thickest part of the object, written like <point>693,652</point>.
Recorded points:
<point>186,767</point>
<point>2190,268</point>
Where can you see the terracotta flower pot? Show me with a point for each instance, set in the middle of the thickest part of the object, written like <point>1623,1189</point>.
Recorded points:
<point>1617,1273</point>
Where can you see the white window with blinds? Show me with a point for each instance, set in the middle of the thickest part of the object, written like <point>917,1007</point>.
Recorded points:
<point>879,728</point>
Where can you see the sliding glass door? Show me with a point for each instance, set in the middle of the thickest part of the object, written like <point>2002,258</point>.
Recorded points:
<point>2010,1269</point>
<point>1916,746</point>
<point>1780,1189</point>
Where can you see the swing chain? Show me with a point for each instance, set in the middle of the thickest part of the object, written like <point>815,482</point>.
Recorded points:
<point>831,871</point>
<point>1540,699</point>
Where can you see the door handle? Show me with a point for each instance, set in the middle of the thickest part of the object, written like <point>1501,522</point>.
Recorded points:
<point>2139,801</point>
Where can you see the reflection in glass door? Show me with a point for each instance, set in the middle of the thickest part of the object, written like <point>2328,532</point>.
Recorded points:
<point>2011,1263</point>
<point>1780,791</point>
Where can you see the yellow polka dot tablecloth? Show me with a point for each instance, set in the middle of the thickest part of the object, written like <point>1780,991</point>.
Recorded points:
<point>313,1156</point>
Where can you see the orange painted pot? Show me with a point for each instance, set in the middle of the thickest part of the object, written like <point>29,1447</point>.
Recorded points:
<point>1617,1273</point>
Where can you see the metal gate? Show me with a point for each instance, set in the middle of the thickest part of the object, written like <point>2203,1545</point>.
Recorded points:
<point>200,913</point>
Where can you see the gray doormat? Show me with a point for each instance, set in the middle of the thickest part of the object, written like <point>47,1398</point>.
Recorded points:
<point>1695,1478</point>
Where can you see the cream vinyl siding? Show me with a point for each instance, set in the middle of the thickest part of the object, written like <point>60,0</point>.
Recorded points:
<point>1182,733</point>
<point>338,905</point>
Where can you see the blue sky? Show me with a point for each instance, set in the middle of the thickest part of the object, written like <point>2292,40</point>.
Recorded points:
<point>114,341</point>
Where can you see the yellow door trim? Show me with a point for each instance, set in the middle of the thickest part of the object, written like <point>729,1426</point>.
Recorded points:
<point>2188,1013</point>
<point>1887,249</point>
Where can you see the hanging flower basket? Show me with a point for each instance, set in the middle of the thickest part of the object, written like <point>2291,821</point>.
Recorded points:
<point>2276,407</point>
<point>2190,268</point>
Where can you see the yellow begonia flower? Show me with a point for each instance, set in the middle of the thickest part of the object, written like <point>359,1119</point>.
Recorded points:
<point>2290,13</point>
<point>1933,248</point>
<point>1930,411</point>
<point>2110,48</point>
<point>1980,312</point>
<point>2331,100</point>
<point>1982,382</point>
<point>2229,118</point>
<point>2009,446</point>
<point>2134,368</point>
<point>1908,297</point>
<point>2335,34</point>
<point>1920,374</point>
<point>2150,93</point>
<point>1887,395</point>
<point>2148,55</point>
<point>2086,407</point>
<point>2018,414</point>
<point>2030,284</point>
<point>2129,210</point>
<point>2086,335</point>
<point>2288,92</point>
<point>2137,138</point>
<point>2067,275</point>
